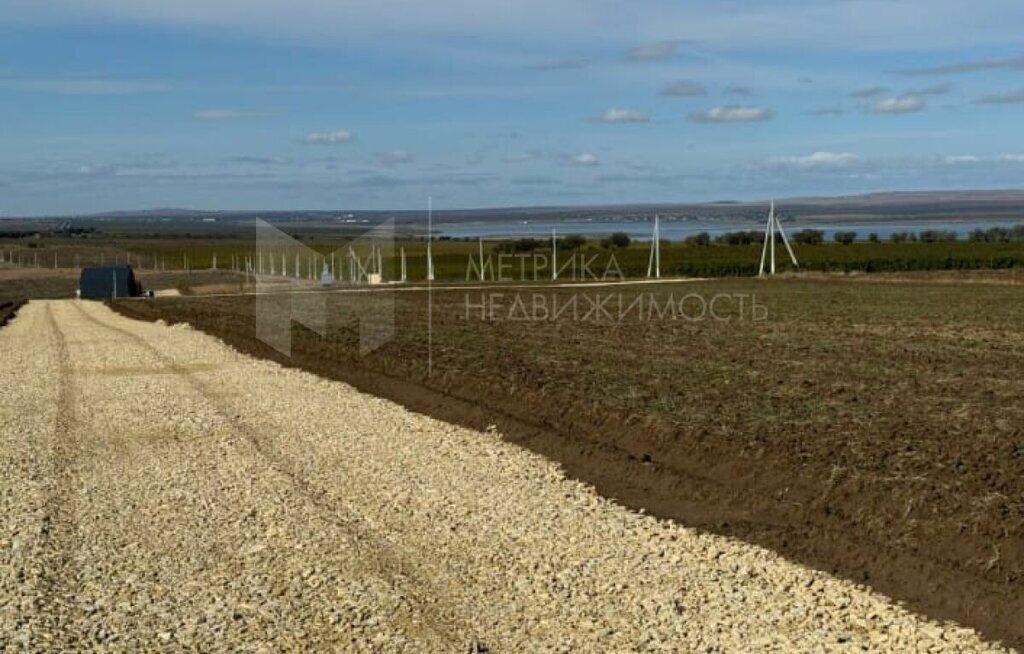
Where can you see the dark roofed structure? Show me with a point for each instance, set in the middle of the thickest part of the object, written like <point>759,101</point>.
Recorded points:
<point>105,282</point>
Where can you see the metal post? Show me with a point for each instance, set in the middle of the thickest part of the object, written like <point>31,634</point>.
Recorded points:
<point>785,241</point>
<point>764,248</point>
<point>657,247</point>
<point>554,256</point>
<point>430,237</point>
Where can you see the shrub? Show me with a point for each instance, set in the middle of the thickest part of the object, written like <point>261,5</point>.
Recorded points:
<point>997,235</point>
<point>701,238</point>
<point>574,241</point>
<point>616,240</point>
<point>845,238</point>
<point>937,236</point>
<point>740,238</point>
<point>519,245</point>
<point>809,237</point>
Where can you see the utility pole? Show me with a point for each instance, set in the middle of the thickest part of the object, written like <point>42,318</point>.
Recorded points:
<point>430,238</point>
<point>554,256</point>
<point>654,261</point>
<point>768,248</point>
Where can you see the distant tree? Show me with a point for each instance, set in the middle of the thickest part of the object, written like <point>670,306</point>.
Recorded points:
<point>997,235</point>
<point>978,236</point>
<point>873,237</point>
<point>519,245</point>
<point>701,239</point>
<point>574,242</point>
<point>845,238</point>
<point>747,237</point>
<point>809,237</point>
<point>616,240</point>
<point>1017,233</point>
<point>899,237</point>
<point>936,236</point>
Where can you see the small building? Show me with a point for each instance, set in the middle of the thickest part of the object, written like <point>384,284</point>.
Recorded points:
<point>105,282</point>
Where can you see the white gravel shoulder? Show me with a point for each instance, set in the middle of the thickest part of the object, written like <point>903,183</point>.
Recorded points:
<point>158,490</point>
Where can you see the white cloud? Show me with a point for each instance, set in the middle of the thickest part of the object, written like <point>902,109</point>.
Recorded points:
<point>224,114</point>
<point>558,64</point>
<point>731,114</point>
<point>869,92</point>
<point>834,110</point>
<point>969,159</point>
<point>736,89</point>
<point>394,158</point>
<point>683,88</point>
<point>956,159</point>
<point>336,137</point>
<point>934,89</point>
<point>654,51</point>
<point>904,104</point>
<point>95,170</point>
<point>1012,97</point>
<point>620,115</point>
<point>261,161</point>
<point>582,159</point>
<point>520,157</point>
<point>84,86</point>
<point>974,66</point>
<point>819,160</point>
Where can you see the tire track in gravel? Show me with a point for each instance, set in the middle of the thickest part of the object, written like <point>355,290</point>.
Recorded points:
<point>42,579</point>
<point>441,620</point>
<point>51,586</point>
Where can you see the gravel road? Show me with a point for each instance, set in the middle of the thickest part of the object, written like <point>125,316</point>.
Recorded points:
<point>161,491</point>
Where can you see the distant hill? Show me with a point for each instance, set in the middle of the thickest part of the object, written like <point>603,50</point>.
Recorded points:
<point>907,205</point>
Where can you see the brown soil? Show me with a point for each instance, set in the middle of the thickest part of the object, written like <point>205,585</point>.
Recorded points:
<point>873,431</point>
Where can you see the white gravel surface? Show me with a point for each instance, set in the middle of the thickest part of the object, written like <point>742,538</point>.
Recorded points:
<point>159,490</point>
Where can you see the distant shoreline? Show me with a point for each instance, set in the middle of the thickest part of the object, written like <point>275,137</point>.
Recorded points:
<point>911,205</point>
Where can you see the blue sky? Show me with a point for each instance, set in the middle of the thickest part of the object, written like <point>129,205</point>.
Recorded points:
<point>263,104</point>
